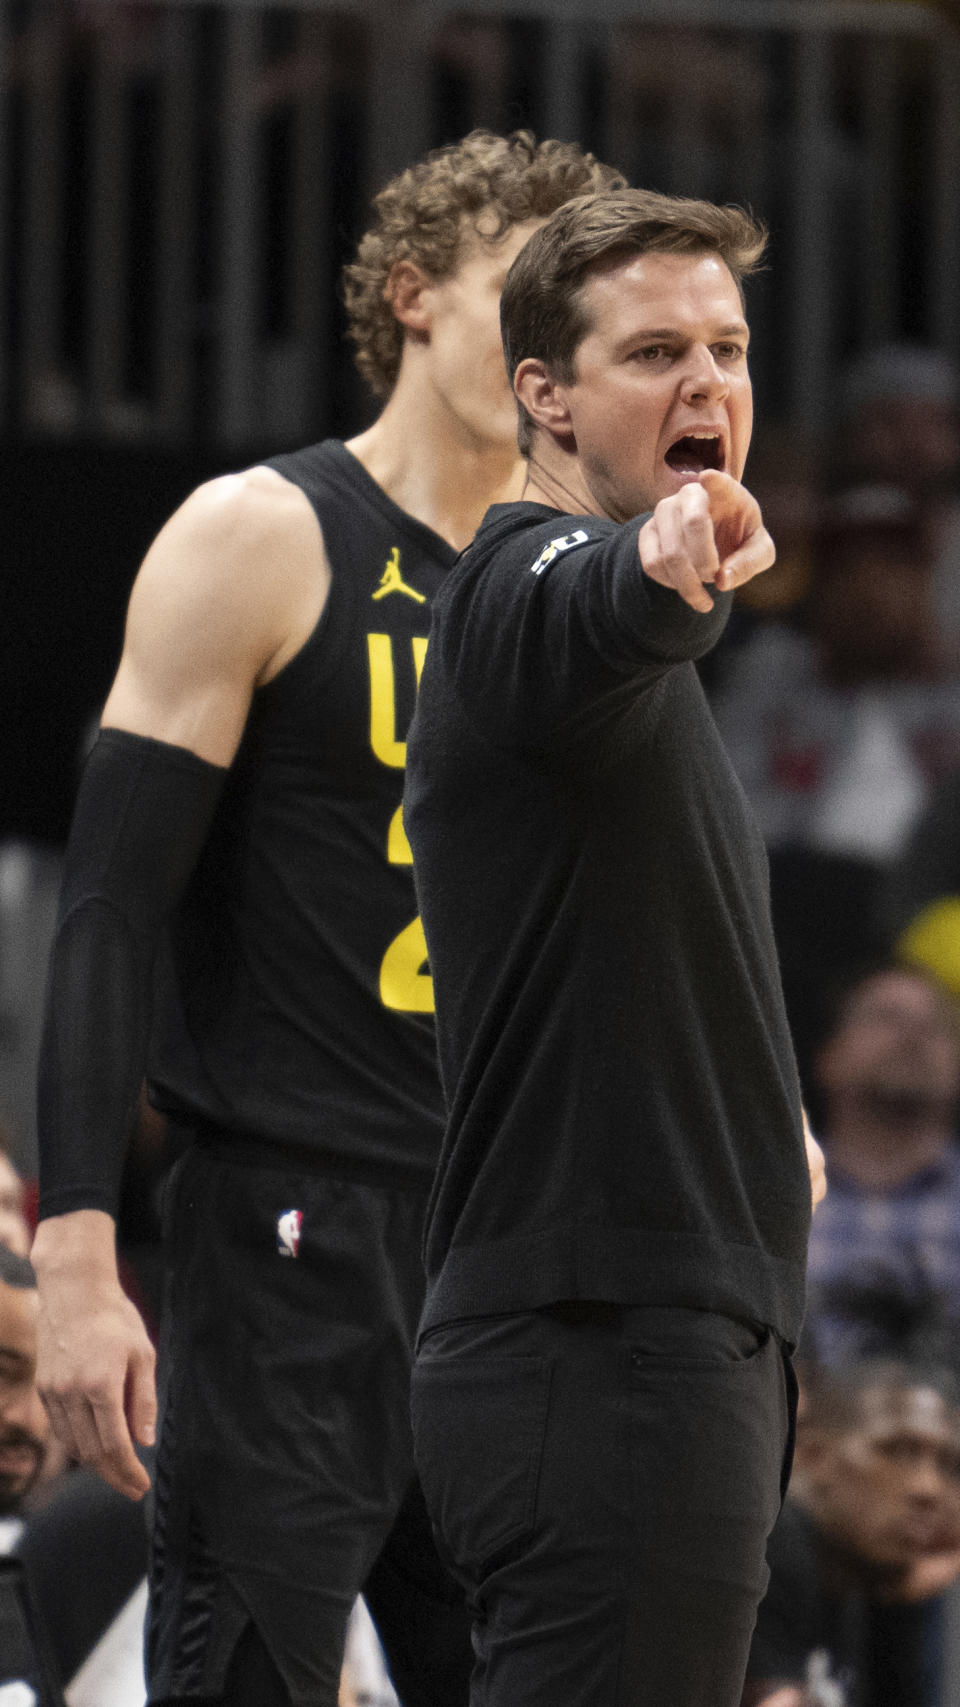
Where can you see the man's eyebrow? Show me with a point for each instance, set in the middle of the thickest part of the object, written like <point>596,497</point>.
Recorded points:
<point>738,329</point>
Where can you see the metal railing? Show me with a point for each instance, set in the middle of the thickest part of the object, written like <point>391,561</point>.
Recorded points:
<point>181,182</point>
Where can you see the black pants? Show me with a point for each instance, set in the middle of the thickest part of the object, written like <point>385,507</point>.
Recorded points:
<point>603,1481</point>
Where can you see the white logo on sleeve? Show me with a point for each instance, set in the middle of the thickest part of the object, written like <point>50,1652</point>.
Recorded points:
<point>565,543</point>
<point>288,1232</point>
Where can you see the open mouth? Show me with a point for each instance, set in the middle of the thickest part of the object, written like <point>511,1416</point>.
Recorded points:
<point>694,452</point>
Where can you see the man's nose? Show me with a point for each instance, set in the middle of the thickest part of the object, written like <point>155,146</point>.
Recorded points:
<point>927,1482</point>
<point>703,377</point>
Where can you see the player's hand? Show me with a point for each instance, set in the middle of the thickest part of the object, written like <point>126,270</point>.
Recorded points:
<point>95,1362</point>
<point>710,533</point>
<point>815,1163</point>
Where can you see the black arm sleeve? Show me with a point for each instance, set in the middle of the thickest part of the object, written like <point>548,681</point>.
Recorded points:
<point>142,816</point>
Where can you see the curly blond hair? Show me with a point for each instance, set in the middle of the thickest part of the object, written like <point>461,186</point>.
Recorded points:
<point>425,214</point>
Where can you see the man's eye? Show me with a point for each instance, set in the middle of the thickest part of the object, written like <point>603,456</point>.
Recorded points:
<point>729,352</point>
<point>651,352</point>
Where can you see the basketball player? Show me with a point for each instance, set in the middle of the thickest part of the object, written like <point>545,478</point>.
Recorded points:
<point>239,849</point>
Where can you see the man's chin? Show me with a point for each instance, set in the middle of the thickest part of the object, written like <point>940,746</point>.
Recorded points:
<point>16,1481</point>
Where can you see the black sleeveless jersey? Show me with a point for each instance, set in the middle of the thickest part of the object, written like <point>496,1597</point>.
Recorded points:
<point>295,1002</point>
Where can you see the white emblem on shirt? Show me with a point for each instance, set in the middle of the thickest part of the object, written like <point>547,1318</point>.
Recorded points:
<point>565,543</point>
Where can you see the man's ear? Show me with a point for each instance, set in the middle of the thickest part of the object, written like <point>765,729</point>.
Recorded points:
<point>542,396</point>
<point>407,291</point>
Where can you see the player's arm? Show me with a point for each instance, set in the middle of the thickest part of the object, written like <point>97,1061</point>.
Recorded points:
<point>227,593</point>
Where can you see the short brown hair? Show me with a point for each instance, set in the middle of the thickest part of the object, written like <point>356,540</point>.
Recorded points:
<point>425,213</point>
<point>542,310</point>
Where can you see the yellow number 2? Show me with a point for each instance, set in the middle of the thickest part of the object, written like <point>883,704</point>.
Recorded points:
<point>404,983</point>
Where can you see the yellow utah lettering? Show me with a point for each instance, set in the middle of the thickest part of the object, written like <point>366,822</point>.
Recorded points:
<point>383,705</point>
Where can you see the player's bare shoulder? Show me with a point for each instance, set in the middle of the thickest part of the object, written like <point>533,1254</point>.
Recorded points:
<point>260,557</point>
<point>230,589</point>
<point>245,550</point>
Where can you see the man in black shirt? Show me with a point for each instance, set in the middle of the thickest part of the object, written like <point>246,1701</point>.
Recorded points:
<point>239,825</point>
<point>617,1230</point>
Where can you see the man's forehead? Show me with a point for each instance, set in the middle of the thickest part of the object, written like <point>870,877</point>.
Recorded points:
<point>917,1412</point>
<point>898,992</point>
<point>663,291</point>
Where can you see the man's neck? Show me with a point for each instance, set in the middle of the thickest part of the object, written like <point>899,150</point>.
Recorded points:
<point>555,477</point>
<point>882,1143</point>
<point>435,473</point>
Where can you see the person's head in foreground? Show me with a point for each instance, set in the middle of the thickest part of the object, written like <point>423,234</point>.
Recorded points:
<point>624,331</point>
<point>24,1427</point>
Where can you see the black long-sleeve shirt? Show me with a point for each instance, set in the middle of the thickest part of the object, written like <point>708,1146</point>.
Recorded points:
<point>624,1113</point>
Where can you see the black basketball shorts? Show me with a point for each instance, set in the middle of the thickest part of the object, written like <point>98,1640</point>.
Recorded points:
<point>285,1447</point>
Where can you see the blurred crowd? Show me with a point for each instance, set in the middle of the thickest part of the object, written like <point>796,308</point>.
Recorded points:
<point>838,693</point>
<point>839,698</point>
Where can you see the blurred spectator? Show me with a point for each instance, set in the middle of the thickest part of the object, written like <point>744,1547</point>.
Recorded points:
<point>839,729</point>
<point>869,1534</point>
<point>884,1262</point>
<point>899,421</point>
<point>80,1547</point>
<point>14,1227</point>
<point>84,1553</point>
<point>24,1427</point>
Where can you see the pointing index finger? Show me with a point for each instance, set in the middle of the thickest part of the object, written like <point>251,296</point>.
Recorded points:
<point>755,555</point>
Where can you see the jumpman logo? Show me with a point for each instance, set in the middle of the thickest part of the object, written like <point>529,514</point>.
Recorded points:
<point>391,581</point>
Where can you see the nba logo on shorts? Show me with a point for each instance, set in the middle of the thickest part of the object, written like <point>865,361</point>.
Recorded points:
<point>288,1232</point>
